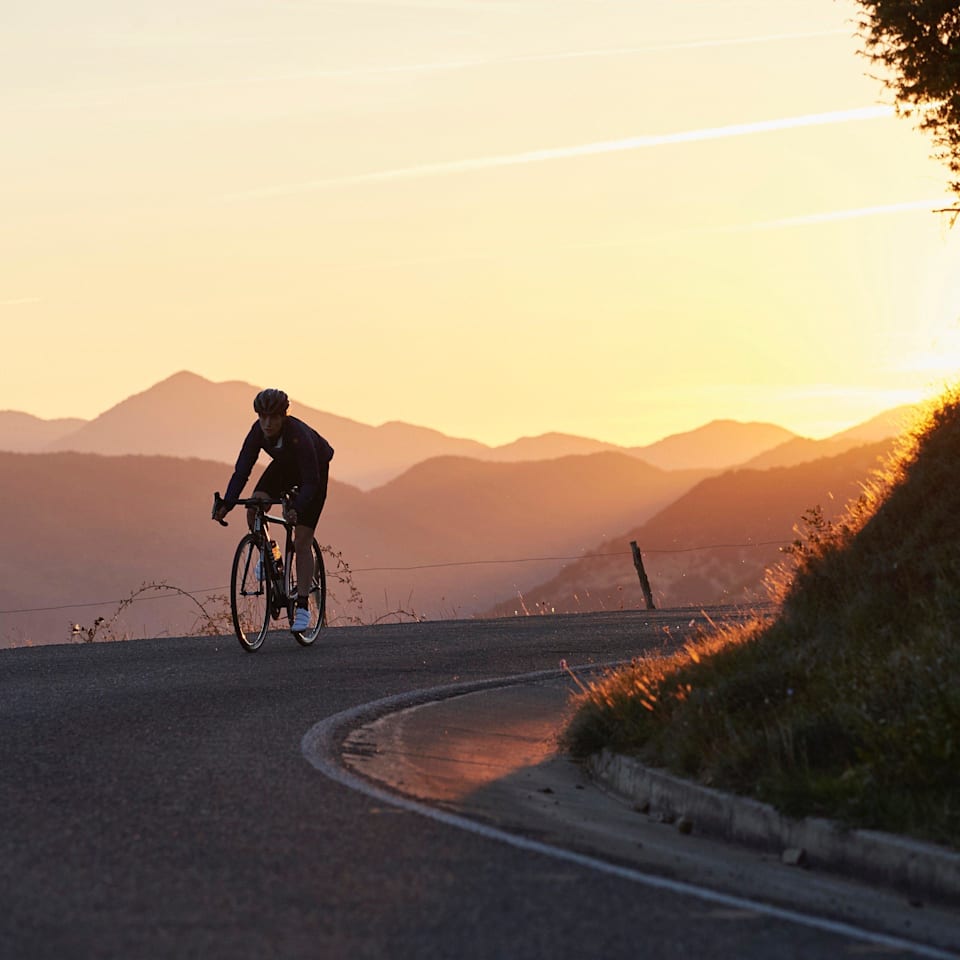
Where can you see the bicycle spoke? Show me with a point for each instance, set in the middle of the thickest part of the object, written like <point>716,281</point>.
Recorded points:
<point>317,596</point>
<point>250,594</point>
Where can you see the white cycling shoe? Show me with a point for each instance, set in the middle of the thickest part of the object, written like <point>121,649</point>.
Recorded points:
<point>301,621</point>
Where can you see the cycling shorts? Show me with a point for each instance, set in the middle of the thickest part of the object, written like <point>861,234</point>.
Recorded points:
<point>275,484</point>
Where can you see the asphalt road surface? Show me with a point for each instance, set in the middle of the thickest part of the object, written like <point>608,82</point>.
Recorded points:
<point>156,802</point>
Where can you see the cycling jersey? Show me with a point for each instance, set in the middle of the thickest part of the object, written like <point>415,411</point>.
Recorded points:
<point>301,454</point>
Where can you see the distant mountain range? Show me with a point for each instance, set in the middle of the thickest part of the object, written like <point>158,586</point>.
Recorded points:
<point>447,527</point>
<point>96,527</point>
<point>189,416</point>
<point>891,423</point>
<point>25,433</point>
<point>714,544</point>
<point>448,538</point>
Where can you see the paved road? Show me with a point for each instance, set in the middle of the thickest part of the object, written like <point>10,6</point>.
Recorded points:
<point>157,803</point>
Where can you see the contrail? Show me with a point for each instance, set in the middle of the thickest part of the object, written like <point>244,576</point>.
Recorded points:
<point>19,301</point>
<point>428,66</point>
<point>812,219</point>
<point>683,45</point>
<point>598,52</point>
<point>472,63</point>
<point>580,150</point>
<point>854,213</point>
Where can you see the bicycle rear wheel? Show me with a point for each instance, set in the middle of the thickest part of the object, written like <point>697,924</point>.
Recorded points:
<point>250,595</point>
<point>318,595</point>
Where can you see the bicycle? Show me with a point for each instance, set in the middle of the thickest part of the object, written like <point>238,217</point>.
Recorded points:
<point>263,580</point>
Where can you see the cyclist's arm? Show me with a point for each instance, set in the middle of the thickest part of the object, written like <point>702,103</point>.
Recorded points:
<point>249,453</point>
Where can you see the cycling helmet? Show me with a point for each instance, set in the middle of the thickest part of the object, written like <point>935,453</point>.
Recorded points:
<point>271,401</point>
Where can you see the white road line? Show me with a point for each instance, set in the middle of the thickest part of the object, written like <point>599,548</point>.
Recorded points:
<point>319,748</point>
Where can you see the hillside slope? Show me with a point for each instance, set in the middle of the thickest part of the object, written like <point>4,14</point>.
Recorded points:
<point>719,444</point>
<point>95,528</point>
<point>843,703</point>
<point>797,450</point>
<point>711,545</point>
<point>189,416</point>
<point>24,433</point>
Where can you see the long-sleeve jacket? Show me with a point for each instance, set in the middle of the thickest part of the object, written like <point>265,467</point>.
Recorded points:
<point>298,452</point>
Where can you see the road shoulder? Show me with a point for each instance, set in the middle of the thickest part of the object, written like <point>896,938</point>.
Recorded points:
<point>492,756</point>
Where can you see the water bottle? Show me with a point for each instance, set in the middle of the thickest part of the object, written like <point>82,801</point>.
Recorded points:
<point>277,558</point>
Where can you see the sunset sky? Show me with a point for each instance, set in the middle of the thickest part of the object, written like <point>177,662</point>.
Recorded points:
<point>613,218</point>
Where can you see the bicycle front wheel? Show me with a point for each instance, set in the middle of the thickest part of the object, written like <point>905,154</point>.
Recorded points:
<point>249,594</point>
<point>318,595</point>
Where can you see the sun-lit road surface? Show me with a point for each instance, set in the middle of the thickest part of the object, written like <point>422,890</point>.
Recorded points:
<point>156,803</point>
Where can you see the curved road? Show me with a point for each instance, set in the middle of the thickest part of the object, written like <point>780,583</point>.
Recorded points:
<point>156,803</point>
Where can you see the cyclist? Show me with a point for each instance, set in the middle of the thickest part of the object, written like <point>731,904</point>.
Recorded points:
<point>301,458</point>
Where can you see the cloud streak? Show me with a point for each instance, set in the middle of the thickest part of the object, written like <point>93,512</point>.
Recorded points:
<point>645,239</point>
<point>467,63</point>
<point>854,213</point>
<point>100,97</point>
<point>662,47</point>
<point>595,148</point>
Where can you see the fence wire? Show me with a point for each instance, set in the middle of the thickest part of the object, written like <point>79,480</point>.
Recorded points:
<point>399,569</point>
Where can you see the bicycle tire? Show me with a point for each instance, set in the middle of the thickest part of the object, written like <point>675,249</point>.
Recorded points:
<point>318,595</point>
<point>250,597</point>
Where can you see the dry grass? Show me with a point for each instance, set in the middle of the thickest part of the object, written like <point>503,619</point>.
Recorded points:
<point>846,703</point>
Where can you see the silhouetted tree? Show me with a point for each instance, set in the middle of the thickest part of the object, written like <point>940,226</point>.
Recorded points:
<point>918,41</point>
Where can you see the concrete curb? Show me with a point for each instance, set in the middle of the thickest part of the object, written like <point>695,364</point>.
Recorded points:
<point>917,869</point>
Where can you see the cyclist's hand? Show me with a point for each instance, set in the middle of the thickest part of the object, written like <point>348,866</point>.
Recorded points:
<point>220,509</point>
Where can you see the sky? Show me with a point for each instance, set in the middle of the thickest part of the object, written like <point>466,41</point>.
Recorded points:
<point>497,218</point>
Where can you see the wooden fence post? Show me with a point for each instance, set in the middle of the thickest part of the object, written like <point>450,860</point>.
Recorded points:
<point>642,574</point>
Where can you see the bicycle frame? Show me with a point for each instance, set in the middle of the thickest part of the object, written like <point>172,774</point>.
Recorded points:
<point>274,582</point>
<point>261,527</point>
<point>262,521</point>
<point>260,505</point>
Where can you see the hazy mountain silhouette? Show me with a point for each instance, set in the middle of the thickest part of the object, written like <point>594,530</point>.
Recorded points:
<point>719,444</point>
<point>189,416</point>
<point>95,528</point>
<point>25,433</point>
<point>548,446</point>
<point>890,423</point>
<point>711,545</point>
<point>96,525</point>
<point>798,450</point>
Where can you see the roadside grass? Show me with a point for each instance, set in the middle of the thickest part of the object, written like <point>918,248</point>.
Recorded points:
<point>843,703</point>
<point>212,612</point>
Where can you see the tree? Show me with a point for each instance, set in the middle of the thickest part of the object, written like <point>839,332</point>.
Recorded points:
<point>918,42</point>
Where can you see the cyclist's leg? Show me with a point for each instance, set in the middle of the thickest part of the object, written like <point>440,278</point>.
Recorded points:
<point>303,545</point>
<point>303,538</point>
<point>270,486</point>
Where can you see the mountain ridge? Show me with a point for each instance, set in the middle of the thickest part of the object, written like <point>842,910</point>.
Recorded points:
<point>714,543</point>
<point>424,543</point>
<point>187,415</point>
<point>24,433</point>
<point>718,443</point>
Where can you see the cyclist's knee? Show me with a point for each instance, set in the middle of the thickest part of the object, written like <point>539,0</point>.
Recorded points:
<point>302,536</point>
<point>251,511</point>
